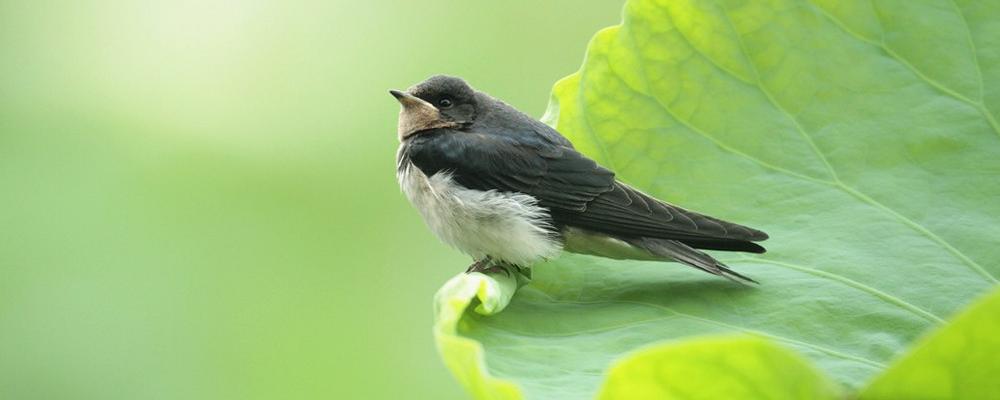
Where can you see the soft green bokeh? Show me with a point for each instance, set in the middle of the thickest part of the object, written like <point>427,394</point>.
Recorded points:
<point>197,199</point>
<point>736,367</point>
<point>867,149</point>
<point>959,361</point>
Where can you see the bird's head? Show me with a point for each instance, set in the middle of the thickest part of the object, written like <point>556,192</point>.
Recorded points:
<point>438,102</point>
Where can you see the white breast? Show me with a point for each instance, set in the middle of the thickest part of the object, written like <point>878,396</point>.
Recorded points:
<point>505,226</point>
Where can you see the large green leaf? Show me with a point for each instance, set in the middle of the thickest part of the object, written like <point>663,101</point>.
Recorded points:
<point>961,361</point>
<point>860,134</point>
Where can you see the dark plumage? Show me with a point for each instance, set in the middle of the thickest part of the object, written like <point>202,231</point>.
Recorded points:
<point>486,145</point>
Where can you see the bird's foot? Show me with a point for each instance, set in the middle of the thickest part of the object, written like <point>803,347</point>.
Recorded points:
<point>488,265</point>
<point>479,266</point>
<point>497,268</point>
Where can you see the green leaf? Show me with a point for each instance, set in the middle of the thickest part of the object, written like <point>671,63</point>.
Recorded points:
<point>464,356</point>
<point>861,136</point>
<point>960,361</point>
<point>716,368</point>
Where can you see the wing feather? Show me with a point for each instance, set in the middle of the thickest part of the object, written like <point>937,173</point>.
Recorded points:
<point>577,191</point>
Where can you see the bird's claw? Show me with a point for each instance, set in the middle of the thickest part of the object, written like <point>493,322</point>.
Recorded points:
<point>487,265</point>
<point>477,266</point>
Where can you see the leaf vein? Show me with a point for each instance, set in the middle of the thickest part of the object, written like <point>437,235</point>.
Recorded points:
<point>602,329</point>
<point>763,89</point>
<point>843,186</point>
<point>978,105</point>
<point>854,284</point>
<point>717,142</point>
<point>584,116</point>
<point>676,313</point>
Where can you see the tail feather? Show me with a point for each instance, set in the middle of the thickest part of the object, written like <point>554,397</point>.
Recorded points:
<point>687,255</point>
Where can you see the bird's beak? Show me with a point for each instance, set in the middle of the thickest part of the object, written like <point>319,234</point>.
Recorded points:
<point>417,115</point>
<point>410,101</point>
<point>399,95</point>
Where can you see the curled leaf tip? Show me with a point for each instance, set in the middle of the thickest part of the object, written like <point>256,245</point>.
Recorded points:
<point>493,290</point>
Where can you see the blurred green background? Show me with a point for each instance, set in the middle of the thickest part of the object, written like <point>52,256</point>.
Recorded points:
<point>198,199</point>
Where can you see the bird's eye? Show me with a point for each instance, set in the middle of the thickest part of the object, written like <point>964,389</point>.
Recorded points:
<point>446,102</point>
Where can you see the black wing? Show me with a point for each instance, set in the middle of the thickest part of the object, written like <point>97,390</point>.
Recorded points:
<point>577,191</point>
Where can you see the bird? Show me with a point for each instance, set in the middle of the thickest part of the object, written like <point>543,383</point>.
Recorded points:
<point>510,191</point>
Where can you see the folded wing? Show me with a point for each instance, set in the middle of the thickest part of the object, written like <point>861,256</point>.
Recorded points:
<point>577,191</point>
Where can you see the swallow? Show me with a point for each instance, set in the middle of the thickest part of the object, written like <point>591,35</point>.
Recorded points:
<point>508,190</point>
